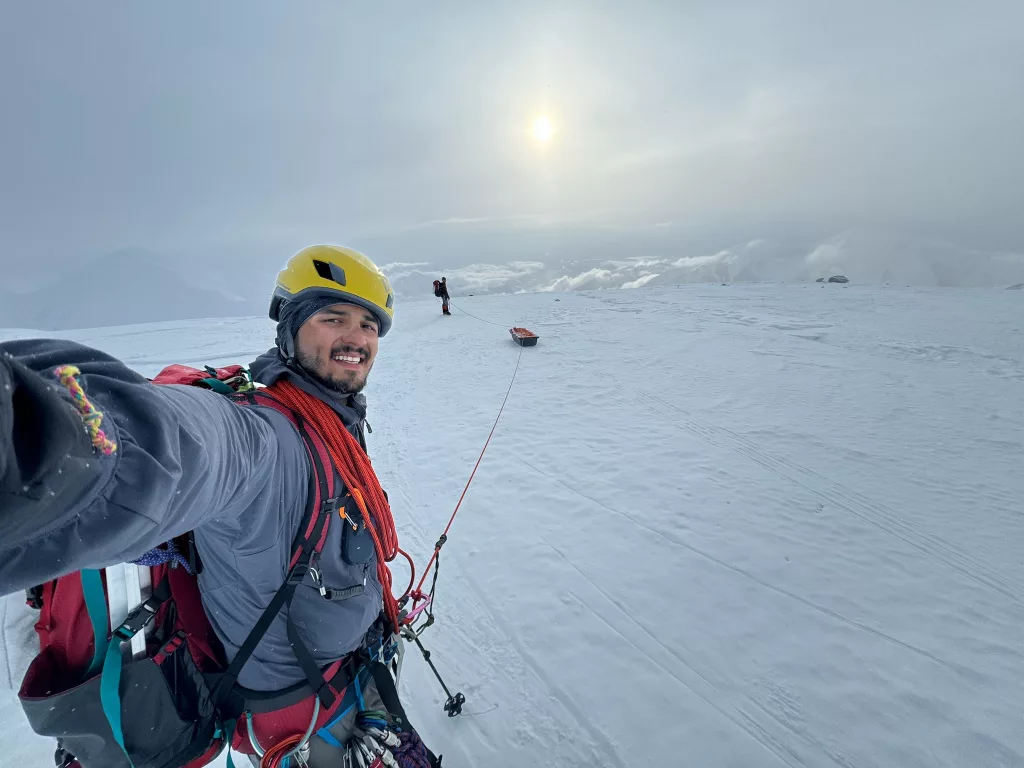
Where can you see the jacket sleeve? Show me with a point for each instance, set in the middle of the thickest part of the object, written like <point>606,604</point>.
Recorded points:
<point>184,456</point>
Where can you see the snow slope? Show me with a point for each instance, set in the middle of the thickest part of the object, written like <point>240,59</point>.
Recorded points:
<point>757,525</point>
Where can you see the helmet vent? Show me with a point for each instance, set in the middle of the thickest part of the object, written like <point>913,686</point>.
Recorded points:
<point>329,271</point>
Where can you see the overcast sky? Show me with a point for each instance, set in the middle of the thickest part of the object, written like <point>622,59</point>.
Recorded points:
<point>199,127</point>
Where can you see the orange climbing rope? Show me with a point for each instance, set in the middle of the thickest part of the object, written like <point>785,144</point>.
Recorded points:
<point>357,473</point>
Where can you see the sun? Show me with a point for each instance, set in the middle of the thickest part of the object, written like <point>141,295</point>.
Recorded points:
<point>542,129</point>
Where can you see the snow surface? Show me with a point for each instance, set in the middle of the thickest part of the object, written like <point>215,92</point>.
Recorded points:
<point>757,525</point>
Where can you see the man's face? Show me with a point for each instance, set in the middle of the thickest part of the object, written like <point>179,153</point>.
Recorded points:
<point>337,346</point>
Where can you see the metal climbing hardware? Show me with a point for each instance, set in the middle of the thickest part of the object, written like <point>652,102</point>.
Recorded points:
<point>318,581</point>
<point>334,595</point>
<point>372,745</point>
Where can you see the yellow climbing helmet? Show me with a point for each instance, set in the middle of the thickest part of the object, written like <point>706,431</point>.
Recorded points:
<point>332,270</point>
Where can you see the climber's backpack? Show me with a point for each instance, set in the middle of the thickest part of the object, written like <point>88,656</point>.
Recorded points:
<point>437,289</point>
<point>128,685</point>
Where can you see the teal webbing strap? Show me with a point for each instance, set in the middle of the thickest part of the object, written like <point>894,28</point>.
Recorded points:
<point>219,386</point>
<point>110,693</point>
<point>96,605</point>
<point>229,735</point>
<point>359,692</point>
<point>110,681</point>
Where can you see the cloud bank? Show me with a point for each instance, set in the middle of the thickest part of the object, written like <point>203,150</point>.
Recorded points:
<point>865,257</point>
<point>151,289</point>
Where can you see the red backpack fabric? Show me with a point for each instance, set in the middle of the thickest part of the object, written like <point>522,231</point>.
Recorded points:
<point>185,721</point>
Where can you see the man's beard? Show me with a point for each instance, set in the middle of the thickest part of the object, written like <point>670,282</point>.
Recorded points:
<point>314,364</point>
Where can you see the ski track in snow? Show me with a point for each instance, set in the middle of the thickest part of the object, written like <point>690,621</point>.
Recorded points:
<point>754,525</point>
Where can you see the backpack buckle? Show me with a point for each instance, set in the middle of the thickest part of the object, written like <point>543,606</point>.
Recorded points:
<point>298,572</point>
<point>138,619</point>
<point>34,597</point>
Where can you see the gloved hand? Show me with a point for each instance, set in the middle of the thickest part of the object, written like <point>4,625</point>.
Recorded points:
<point>39,429</point>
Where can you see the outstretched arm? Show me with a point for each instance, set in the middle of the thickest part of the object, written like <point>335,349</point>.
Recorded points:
<point>184,456</point>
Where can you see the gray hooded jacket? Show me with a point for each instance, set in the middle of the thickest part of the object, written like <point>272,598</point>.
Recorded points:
<point>187,459</point>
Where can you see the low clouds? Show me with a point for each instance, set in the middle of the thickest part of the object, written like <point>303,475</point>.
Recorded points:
<point>865,256</point>
<point>640,282</point>
<point>470,279</point>
<point>403,265</point>
<point>153,287</point>
<point>598,277</point>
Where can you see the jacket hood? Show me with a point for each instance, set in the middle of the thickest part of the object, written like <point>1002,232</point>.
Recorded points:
<point>271,366</point>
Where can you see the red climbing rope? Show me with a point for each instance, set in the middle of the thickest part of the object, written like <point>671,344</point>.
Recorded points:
<point>357,473</point>
<point>417,594</point>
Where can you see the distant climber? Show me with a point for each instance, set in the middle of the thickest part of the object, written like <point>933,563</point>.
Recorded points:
<point>441,291</point>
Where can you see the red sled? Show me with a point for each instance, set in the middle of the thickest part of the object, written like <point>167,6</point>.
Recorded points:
<point>524,337</point>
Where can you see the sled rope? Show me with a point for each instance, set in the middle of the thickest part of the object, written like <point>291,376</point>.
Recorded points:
<point>489,322</point>
<point>91,416</point>
<point>417,594</point>
<point>357,473</point>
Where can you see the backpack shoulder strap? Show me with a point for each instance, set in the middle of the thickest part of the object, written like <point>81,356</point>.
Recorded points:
<point>309,541</point>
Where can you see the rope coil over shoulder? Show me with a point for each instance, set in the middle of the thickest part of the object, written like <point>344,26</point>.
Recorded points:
<point>355,469</point>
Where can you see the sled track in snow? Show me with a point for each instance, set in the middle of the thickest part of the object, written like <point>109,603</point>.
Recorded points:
<point>737,712</point>
<point>861,507</point>
<point>598,740</point>
<point>673,539</point>
<point>561,696</point>
<point>741,719</point>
